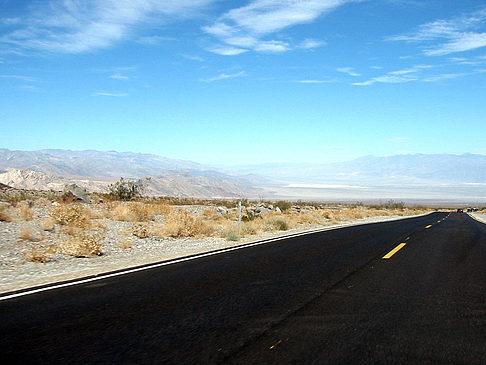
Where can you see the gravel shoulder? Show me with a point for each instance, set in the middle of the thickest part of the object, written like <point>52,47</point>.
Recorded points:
<point>479,216</point>
<point>16,273</point>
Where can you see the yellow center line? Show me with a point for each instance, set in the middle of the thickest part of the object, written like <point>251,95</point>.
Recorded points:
<point>430,225</point>
<point>394,251</point>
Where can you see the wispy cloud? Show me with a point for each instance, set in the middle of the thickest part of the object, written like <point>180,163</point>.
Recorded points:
<point>192,57</point>
<point>20,77</point>
<point>459,34</point>
<point>311,44</point>
<point>398,139</point>
<point>397,76</point>
<point>248,27</point>
<point>349,71</point>
<point>104,93</point>
<point>154,40</point>
<point>118,76</point>
<point>76,26</point>
<point>225,76</point>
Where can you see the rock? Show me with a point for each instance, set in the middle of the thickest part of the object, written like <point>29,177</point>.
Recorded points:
<point>278,210</point>
<point>261,211</point>
<point>77,192</point>
<point>222,210</point>
<point>270,206</point>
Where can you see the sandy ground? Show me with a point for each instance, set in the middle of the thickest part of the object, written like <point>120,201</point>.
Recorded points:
<point>16,273</point>
<point>479,216</point>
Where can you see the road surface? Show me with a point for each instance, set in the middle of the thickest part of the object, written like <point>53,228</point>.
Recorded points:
<point>327,297</point>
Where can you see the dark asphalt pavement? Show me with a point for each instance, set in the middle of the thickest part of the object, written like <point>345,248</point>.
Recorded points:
<point>326,297</point>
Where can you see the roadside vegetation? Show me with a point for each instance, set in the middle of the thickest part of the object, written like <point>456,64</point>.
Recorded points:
<point>67,227</point>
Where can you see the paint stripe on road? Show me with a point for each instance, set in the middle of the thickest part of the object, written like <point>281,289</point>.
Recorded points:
<point>394,251</point>
<point>430,225</point>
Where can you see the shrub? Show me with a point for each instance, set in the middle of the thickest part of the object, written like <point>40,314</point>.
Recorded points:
<point>39,254</point>
<point>84,244</point>
<point>126,189</point>
<point>141,230</point>
<point>72,214</point>
<point>233,236</point>
<point>4,213</point>
<point>277,222</point>
<point>26,233</point>
<point>48,224</point>
<point>25,212</point>
<point>182,224</point>
<point>283,205</point>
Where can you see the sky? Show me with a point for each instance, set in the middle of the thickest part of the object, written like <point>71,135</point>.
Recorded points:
<point>244,82</point>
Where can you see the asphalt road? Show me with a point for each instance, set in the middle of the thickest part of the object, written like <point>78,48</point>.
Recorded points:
<point>326,297</point>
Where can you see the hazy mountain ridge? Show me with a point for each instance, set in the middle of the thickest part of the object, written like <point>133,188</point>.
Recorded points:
<point>416,168</point>
<point>92,163</point>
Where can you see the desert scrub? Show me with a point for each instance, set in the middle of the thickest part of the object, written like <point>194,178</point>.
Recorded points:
<point>83,244</point>
<point>278,223</point>
<point>72,214</point>
<point>25,212</point>
<point>141,230</point>
<point>182,224</point>
<point>135,212</point>
<point>48,224</point>
<point>26,233</point>
<point>233,236</point>
<point>39,253</point>
<point>5,215</point>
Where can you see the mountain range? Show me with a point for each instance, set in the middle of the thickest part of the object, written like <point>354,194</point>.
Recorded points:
<point>414,175</point>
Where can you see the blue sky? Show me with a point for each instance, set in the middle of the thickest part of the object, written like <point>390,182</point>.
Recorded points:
<point>239,82</point>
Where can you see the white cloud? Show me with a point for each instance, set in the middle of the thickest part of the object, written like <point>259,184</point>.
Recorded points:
<point>76,26</point>
<point>192,57</point>
<point>104,93</point>
<point>20,77</point>
<point>225,76</point>
<point>154,40</point>
<point>311,44</point>
<point>118,76</point>
<point>348,70</point>
<point>398,139</point>
<point>398,76</point>
<point>272,46</point>
<point>246,27</point>
<point>227,51</point>
<point>454,35</point>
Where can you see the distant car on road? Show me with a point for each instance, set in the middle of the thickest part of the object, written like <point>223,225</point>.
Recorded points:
<point>460,210</point>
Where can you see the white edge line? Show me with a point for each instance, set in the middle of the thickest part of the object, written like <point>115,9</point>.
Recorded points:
<point>182,259</point>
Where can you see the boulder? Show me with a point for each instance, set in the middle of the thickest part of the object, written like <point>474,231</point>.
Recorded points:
<point>77,192</point>
<point>222,210</point>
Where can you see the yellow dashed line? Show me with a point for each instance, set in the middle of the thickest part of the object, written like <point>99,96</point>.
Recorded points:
<point>394,251</point>
<point>278,343</point>
<point>430,225</point>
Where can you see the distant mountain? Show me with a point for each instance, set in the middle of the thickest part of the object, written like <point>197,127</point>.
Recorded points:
<point>170,183</point>
<point>52,169</point>
<point>90,163</point>
<point>399,169</point>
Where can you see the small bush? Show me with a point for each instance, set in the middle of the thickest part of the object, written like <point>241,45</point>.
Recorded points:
<point>72,214</point>
<point>141,230</point>
<point>126,243</point>
<point>5,213</point>
<point>25,212</point>
<point>39,254</point>
<point>233,236</point>
<point>84,244</point>
<point>126,189</point>
<point>277,222</point>
<point>48,224</point>
<point>283,205</point>
<point>26,233</point>
<point>182,224</point>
